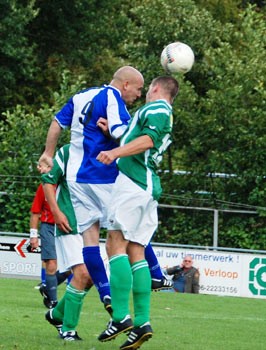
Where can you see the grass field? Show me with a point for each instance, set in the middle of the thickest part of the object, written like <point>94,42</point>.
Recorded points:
<point>179,321</point>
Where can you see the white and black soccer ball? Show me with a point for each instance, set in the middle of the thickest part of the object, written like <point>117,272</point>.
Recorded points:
<point>177,58</point>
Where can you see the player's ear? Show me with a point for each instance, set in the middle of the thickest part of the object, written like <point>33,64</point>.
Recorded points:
<point>155,87</point>
<point>125,84</point>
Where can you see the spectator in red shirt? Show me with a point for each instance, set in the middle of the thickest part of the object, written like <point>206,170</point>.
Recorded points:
<point>41,214</point>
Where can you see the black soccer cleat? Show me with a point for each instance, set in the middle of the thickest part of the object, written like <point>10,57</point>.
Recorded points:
<point>70,336</point>
<point>42,290</point>
<point>161,284</point>
<point>115,328</point>
<point>49,304</point>
<point>38,285</point>
<point>107,304</point>
<point>52,321</point>
<point>137,336</point>
<point>46,300</point>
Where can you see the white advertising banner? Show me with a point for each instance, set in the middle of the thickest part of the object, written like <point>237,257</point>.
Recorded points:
<point>16,257</point>
<point>221,273</point>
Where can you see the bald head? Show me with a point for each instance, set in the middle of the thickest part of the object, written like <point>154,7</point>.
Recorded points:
<point>130,83</point>
<point>127,73</point>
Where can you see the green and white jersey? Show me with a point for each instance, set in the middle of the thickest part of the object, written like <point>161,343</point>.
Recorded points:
<point>154,119</point>
<point>57,176</point>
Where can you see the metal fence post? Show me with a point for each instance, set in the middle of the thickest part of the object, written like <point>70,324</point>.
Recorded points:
<point>215,228</point>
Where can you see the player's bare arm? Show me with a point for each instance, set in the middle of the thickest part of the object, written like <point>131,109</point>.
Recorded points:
<point>59,217</point>
<point>45,162</point>
<point>34,223</point>
<point>139,145</point>
<point>61,221</point>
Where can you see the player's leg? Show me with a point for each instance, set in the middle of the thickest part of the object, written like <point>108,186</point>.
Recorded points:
<point>159,281</point>
<point>65,316</point>
<point>139,230</point>
<point>51,280</point>
<point>94,263</point>
<point>43,277</point>
<point>62,276</point>
<point>141,289</point>
<point>120,283</point>
<point>123,217</point>
<point>90,204</point>
<point>141,283</point>
<point>48,254</point>
<point>74,296</point>
<point>43,273</point>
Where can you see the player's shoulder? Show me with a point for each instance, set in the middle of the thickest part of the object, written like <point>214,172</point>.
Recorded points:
<point>87,94</point>
<point>157,106</point>
<point>163,105</point>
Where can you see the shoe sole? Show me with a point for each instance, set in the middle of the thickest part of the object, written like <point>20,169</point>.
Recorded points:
<point>137,344</point>
<point>126,330</point>
<point>161,288</point>
<point>68,339</point>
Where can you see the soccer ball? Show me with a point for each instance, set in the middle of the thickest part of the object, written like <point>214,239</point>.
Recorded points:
<point>177,58</point>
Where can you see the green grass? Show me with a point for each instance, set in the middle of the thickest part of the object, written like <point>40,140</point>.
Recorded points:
<point>179,321</point>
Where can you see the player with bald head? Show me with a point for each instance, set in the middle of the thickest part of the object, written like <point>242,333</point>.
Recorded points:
<point>128,80</point>
<point>90,182</point>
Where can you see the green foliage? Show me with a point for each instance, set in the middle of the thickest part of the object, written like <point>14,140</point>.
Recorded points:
<point>22,135</point>
<point>219,114</point>
<point>223,10</point>
<point>57,47</point>
<point>17,57</point>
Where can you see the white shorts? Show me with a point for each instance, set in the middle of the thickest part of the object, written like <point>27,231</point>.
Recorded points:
<point>68,251</point>
<point>90,202</point>
<point>133,211</point>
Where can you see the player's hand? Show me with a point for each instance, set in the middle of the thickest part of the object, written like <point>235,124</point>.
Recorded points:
<point>62,222</point>
<point>102,123</point>
<point>34,243</point>
<point>106,157</point>
<point>45,163</point>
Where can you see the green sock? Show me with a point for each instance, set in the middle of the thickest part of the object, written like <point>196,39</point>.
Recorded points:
<point>58,311</point>
<point>141,292</point>
<point>120,284</point>
<point>73,304</point>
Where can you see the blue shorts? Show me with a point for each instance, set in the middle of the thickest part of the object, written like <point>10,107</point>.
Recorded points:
<point>48,251</point>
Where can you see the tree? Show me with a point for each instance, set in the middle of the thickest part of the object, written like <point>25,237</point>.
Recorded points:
<point>23,135</point>
<point>81,36</point>
<point>220,111</point>
<point>217,157</point>
<point>17,61</point>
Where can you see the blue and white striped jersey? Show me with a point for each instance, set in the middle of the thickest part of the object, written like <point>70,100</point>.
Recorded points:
<point>81,114</point>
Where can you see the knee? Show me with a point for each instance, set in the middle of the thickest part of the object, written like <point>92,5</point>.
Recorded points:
<point>82,274</point>
<point>51,267</point>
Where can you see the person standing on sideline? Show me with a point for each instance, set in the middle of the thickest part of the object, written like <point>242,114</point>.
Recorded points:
<point>185,276</point>
<point>90,182</point>
<point>41,214</point>
<point>132,217</point>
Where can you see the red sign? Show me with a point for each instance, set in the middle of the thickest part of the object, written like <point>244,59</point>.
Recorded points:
<point>19,248</point>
